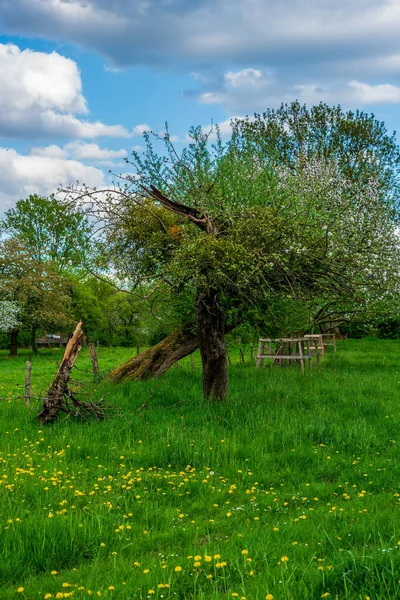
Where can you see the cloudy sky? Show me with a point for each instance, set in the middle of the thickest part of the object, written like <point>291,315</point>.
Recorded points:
<point>80,80</point>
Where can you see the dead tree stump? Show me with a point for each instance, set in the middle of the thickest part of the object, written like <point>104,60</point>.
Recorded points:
<point>53,401</point>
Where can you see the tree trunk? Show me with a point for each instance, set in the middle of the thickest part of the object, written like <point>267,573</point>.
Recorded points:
<point>210,326</point>
<point>14,343</point>
<point>155,361</point>
<point>94,359</point>
<point>33,340</point>
<point>53,401</point>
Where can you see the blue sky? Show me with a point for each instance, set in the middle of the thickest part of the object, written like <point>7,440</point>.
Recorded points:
<point>81,79</point>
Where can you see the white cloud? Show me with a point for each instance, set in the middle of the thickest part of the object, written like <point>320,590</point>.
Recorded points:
<point>40,94</point>
<point>291,33</point>
<point>349,93</point>
<point>252,90</point>
<point>141,129</point>
<point>375,94</point>
<point>80,151</point>
<point>240,90</point>
<point>21,175</point>
<point>37,80</point>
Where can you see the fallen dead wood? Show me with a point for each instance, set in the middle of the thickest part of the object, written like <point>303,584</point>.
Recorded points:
<point>60,398</point>
<point>155,361</point>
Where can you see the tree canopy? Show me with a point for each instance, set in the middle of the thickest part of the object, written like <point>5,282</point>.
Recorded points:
<point>242,222</point>
<point>51,229</point>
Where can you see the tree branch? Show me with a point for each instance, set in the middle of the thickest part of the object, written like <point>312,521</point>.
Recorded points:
<point>201,220</point>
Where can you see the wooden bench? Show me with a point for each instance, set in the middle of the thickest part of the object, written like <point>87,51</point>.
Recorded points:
<point>329,339</point>
<point>319,348</point>
<point>297,349</point>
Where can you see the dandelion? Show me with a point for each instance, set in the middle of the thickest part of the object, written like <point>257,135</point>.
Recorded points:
<point>284,559</point>
<point>151,592</point>
<point>145,571</point>
<point>178,569</point>
<point>20,590</point>
<point>54,573</point>
<point>197,557</point>
<point>111,588</point>
<point>207,558</point>
<point>269,597</point>
<point>245,551</point>
<point>325,595</point>
<point>47,596</point>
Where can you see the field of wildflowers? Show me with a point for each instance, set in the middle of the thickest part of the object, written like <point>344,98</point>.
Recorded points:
<point>289,491</point>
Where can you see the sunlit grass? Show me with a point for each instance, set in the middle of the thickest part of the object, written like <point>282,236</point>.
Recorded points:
<point>290,489</point>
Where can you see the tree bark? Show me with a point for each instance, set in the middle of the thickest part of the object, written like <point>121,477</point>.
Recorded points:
<point>210,326</point>
<point>33,340</point>
<point>14,343</point>
<point>155,361</point>
<point>52,403</point>
<point>94,359</point>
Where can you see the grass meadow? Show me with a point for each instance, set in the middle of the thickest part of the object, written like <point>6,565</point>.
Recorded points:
<point>289,491</point>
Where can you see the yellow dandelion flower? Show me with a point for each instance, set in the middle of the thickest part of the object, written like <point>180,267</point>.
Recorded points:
<point>178,569</point>
<point>245,551</point>
<point>207,558</point>
<point>111,588</point>
<point>197,557</point>
<point>284,559</point>
<point>47,596</point>
<point>145,571</point>
<point>20,590</point>
<point>269,597</point>
<point>54,573</point>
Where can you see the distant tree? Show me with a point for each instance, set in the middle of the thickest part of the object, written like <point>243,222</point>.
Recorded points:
<point>51,230</point>
<point>357,142</point>
<point>36,286</point>
<point>9,312</point>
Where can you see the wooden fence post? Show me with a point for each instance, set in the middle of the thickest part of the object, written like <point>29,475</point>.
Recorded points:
<point>94,359</point>
<point>28,383</point>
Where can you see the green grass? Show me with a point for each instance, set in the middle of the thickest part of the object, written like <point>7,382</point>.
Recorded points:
<point>306,468</point>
